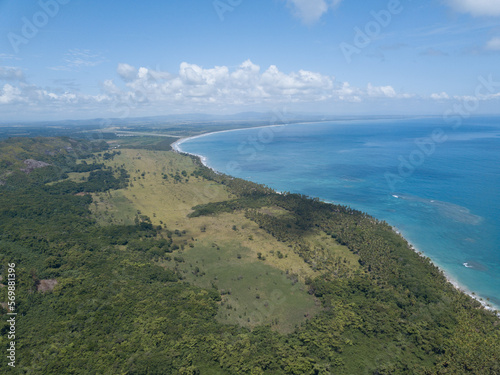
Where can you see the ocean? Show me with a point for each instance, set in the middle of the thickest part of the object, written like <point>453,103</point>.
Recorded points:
<point>436,181</point>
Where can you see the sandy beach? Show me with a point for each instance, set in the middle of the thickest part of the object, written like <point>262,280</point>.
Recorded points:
<point>451,280</point>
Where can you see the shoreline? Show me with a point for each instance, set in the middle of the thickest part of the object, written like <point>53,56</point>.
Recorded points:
<point>176,144</point>
<point>485,304</point>
<point>204,160</point>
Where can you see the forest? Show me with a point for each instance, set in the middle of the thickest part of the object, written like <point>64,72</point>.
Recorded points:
<point>96,297</point>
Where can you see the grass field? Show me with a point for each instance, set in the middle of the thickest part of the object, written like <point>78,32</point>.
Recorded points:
<point>78,176</point>
<point>261,279</point>
<point>166,201</point>
<point>253,292</point>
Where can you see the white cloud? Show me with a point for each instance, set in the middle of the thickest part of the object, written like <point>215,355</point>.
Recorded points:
<point>381,91</point>
<point>348,93</point>
<point>441,96</point>
<point>10,94</point>
<point>471,99</point>
<point>26,98</point>
<point>126,72</point>
<point>110,88</point>
<point>310,11</point>
<point>8,73</point>
<point>493,44</point>
<point>477,7</point>
<point>245,84</point>
<point>193,88</point>
<point>192,74</point>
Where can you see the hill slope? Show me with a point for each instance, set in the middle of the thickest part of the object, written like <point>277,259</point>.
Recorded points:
<point>146,262</point>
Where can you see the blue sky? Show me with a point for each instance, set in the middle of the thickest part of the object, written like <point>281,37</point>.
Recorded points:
<point>75,59</point>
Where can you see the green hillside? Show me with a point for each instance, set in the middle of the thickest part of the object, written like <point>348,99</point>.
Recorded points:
<point>143,261</point>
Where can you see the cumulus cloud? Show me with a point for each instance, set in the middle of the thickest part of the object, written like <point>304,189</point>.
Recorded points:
<point>348,93</point>
<point>493,44</point>
<point>22,95</point>
<point>245,84</point>
<point>126,72</point>
<point>477,7</point>
<point>8,73</point>
<point>193,88</point>
<point>310,11</point>
<point>9,94</point>
<point>248,84</point>
<point>381,91</point>
<point>441,96</point>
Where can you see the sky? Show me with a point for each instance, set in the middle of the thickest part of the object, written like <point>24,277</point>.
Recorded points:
<point>76,59</point>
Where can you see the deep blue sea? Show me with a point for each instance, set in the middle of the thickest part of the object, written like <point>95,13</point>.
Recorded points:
<point>438,183</point>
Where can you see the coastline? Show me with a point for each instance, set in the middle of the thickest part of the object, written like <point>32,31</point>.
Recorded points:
<point>176,144</point>
<point>486,305</point>
<point>204,160</point>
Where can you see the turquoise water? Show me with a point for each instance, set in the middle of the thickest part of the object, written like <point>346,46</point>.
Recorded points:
<point>438,183</point>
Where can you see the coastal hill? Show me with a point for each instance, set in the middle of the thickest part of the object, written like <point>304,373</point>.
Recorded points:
<point>137,260</point>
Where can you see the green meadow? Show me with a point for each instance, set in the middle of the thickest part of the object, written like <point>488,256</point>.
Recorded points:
<point>255,290</point>
<point>142,261</point>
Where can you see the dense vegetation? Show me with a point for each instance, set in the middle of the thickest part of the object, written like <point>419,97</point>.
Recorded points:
<point>115,310</point>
